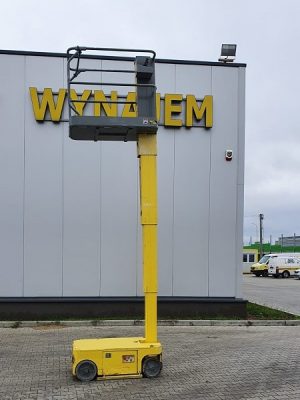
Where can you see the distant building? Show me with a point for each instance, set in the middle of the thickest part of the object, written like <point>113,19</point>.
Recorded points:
<point>250,256</point>
<point>288,241</point>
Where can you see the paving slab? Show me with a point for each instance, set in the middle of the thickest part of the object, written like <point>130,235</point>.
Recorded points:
<point>212,362</point>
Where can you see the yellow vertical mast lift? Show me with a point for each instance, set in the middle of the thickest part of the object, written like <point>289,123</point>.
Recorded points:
<point>133,356</point>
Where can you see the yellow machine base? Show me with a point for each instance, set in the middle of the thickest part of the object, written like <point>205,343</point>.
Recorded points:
<point>111,377</point>
<point>113,358</point>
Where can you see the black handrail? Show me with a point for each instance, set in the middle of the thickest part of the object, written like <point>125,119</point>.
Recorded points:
<point>76,52</point>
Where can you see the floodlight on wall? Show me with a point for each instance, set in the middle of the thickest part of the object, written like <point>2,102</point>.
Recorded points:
<point>228,52</point>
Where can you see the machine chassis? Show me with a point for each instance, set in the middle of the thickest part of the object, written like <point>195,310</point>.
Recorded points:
<point>112,358</point>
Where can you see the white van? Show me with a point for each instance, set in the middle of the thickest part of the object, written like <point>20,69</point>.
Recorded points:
<point>261,268</point>
<point>283,265</point>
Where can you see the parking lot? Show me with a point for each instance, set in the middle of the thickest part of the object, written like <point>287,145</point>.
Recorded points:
<point>199,363</point>
<point>282,294</point>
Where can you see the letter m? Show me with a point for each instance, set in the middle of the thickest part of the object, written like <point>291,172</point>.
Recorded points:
<point>192,109</point>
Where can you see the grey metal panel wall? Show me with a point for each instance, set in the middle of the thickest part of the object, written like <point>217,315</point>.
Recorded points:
<point>240,181</point>
<point>119,204</point>
<point>165,80</point>
<point>43,187</point>
<point>81,208</point>
<point>223,184</point>
<point>191,192</point>
<point>81,211</point>
<point>11,174</point>
<point>81,217</point>
<point>118,218</point>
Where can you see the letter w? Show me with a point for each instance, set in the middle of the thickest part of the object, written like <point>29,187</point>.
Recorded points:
<point>47,102</point>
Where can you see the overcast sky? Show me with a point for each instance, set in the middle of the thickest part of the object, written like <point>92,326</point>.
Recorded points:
<point>267,33</point>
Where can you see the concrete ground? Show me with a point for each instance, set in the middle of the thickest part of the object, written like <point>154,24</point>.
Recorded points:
<point>216,363</point>
<point>282,294</point>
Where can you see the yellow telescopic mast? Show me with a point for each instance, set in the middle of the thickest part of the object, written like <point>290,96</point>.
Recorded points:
<point>147,152</point>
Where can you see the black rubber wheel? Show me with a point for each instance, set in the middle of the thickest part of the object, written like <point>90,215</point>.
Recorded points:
<point>275,276</point>
<point>151,367</point>
<point>257,274</point>
<point>86,371</point>
<point>285,274</point>
<point>265,273</point>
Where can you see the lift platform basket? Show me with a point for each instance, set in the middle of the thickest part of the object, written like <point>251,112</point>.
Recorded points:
<point>86,126</point>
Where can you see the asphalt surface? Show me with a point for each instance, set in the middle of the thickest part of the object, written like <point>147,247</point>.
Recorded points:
<point>207,363</point>
<point>282,294</point>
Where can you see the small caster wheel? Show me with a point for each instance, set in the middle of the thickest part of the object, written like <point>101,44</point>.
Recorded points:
<point>151,367</point>
<point>86,371</point>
